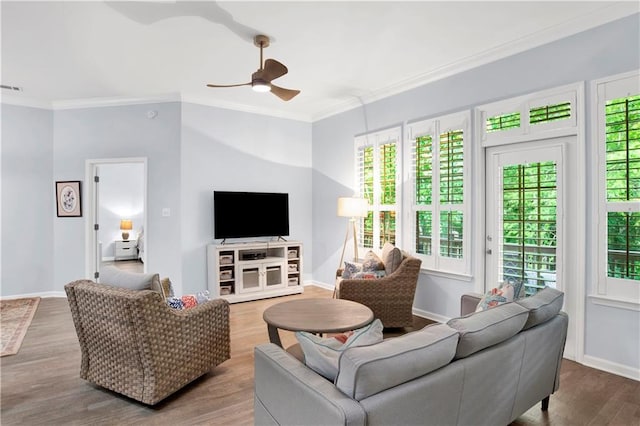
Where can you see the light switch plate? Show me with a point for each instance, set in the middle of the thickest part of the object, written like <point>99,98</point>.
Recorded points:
<point>166,212</point>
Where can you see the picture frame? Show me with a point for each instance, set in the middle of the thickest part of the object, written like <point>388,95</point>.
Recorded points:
<point>68,198</point>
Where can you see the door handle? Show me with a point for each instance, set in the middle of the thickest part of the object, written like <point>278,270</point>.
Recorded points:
<point>489,251</point>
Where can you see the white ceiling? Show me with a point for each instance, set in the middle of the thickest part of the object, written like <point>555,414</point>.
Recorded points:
<point>339,54</point>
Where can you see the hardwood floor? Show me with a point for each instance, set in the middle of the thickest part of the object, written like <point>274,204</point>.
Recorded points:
<point>126,265</point>
<point>41,384</point>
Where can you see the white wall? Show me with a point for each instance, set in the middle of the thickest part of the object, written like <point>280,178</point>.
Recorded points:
<point>602,51</point>
<point>238,151</point>
<point>121,197</point>
<point>121,132</point>
<point>28,201</point>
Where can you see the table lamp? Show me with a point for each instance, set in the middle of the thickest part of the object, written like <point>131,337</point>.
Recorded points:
<point>125,226</point>
<point>353,208</point>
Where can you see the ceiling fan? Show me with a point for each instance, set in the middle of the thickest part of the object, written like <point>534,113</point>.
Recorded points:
<point>261,79</point>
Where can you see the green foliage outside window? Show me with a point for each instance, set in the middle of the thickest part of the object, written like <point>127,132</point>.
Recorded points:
<point>388,174</point>
<point>424,169</point>
<point>503,122</point>
<point>424,229</point>
<point>387,227</point>
<point>451,234</point>
<point>622,131</point>
<point>451,167</point>
<point>547,113</point>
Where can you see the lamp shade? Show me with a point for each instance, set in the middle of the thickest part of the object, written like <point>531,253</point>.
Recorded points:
<point>126,225</point>
<point>352,207</point>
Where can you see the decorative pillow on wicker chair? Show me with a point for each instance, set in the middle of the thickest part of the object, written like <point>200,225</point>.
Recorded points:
<point>111,275</point>
<point>392,257</point>
<point>350,269</point>
<point>372,262</point>
<point>372,275</point>
<point>322,354</point>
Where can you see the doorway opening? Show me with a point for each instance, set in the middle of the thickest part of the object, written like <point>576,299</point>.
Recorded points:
<point>116,230</point>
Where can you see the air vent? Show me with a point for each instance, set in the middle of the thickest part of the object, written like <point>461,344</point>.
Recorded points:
<point>14,88</point>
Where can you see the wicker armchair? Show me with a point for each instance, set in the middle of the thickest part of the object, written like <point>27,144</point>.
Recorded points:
<point>390,298</point>
<point>134,344</point>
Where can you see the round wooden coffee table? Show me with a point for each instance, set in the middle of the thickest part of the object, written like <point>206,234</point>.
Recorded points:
<point>315,316</point>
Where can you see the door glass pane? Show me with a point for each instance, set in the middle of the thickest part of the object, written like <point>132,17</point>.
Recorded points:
<point>528,226</point>
<point>387,227</point>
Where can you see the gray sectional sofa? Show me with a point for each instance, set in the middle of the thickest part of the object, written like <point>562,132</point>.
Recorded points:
<point>485,368</point>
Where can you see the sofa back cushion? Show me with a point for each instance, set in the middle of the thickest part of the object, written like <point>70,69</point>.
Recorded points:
<point>542,306</point>
<point>367,370</point>
<point>482,329</point>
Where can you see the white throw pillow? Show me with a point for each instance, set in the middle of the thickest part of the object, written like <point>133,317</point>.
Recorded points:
<point>111,275</point>
<point>322,354</point>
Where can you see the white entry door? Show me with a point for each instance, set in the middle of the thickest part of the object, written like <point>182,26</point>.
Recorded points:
<point>531,216</point>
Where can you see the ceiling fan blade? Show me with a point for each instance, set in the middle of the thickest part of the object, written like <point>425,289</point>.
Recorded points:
<point>229,85</point>
<point>282,93</point>
<point>273,69</point>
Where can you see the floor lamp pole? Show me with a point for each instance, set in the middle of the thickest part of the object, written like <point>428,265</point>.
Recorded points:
<point>355,239</point>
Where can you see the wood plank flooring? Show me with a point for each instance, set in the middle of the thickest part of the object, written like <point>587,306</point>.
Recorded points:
<point>41,384</point>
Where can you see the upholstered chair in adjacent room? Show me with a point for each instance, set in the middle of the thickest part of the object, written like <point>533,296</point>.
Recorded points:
<point>133,343</point>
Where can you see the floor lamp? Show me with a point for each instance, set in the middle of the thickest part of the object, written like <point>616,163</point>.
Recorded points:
<point>353,208</point>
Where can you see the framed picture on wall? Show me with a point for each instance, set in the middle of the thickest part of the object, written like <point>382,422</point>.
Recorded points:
<point>68,198</point>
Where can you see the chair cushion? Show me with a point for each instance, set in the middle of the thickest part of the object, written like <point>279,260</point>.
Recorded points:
<point>542,306</point>
<point>321,354</point>
<point>482,329</point>
<point>367,370</point>
<point>392,257</point>
<point>131,280</point>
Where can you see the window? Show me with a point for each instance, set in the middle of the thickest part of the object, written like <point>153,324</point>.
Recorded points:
<point>439,200</point>
<point>618,139</point>
<point>377,163</point>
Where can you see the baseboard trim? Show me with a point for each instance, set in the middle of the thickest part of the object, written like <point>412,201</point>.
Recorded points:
<point>319,284</point>
<point>611,367</point>
<point>43,294</point>
<point>430,315</point>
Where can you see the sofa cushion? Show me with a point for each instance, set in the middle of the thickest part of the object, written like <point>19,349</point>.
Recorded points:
<point>367,370</point>
<point>132,280</point>
<point>391,257</point>
<point>321,354</point>
<point>482,329</point>
<point>542,306</point>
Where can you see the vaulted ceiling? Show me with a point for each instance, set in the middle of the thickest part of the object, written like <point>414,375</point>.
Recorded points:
<point>339,54</point>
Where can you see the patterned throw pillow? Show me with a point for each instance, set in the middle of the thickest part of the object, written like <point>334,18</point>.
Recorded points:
<point>373,275</point>
<point>372,262</point>
<point>496,296</point>
<point>350,269</point>
<point>322,354</point>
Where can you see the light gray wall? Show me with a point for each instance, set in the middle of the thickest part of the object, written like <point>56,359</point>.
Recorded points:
<point>28,200</point>
<point>600,52</point>
<point>121,132</point>
<point>237,151</point>
<point>121,197</point>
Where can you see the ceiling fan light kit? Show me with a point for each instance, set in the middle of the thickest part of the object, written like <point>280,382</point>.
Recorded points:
<point>269,70</point>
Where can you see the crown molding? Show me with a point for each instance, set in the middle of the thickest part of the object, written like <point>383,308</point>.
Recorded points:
<point>604,15</point>
<point>24,101</point>
<point>114,101</point>
<point>205,101</point>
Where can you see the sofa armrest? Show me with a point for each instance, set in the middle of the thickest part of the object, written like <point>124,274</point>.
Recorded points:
<point>469,303</point>
<point>289,393</point>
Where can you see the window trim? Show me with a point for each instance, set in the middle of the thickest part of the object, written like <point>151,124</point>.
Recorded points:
<point>608,291</point>
<point>435,127</point>
<point>375,139</point>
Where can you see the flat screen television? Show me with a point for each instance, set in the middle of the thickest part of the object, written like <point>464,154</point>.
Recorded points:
<point>250,214</point>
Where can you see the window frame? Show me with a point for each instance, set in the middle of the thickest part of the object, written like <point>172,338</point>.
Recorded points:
<point>609,291</point>
<point>435,262</point>
<point>376,139</point>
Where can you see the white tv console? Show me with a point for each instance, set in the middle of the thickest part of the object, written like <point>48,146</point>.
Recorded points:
<point>248,271</point>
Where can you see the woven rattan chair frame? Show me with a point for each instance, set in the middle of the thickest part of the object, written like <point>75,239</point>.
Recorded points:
<point>391,297</point>
<point>134,344</point>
